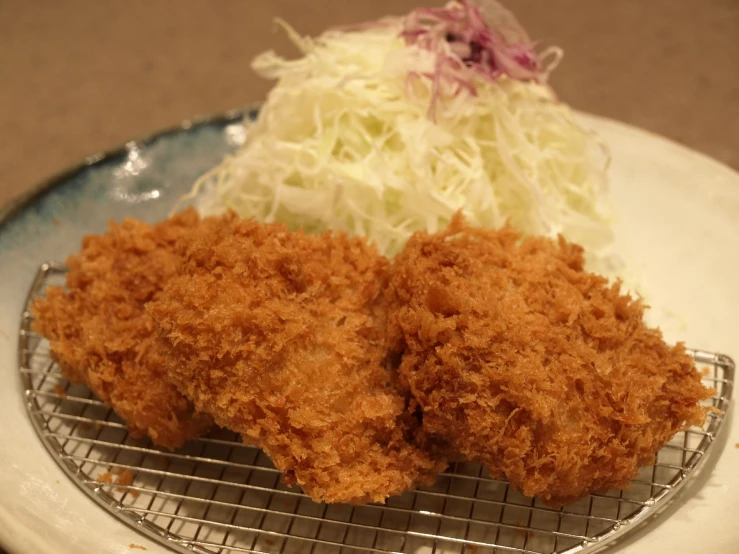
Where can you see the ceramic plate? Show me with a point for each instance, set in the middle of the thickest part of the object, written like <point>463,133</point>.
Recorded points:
<point>678,228</point>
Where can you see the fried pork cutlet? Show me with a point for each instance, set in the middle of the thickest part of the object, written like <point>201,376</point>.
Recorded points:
<point>101,335</point>
<point>280,337</point>
<point>521,360</point>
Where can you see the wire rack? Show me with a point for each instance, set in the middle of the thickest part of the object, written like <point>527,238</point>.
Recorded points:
<point>217,495</point>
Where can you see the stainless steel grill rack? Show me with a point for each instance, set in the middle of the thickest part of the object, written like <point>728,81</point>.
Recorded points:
<point>217,495</point>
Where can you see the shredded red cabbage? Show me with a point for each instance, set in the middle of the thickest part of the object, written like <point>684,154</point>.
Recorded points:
<point>486,39</point>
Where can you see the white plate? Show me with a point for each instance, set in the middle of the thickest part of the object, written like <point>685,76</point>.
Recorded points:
<point>678,229</point>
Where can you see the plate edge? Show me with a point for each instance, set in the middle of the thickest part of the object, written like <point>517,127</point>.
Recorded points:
<point>17,204</point>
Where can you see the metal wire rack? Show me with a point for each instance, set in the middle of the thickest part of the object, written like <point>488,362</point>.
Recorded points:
<point>217,495</point>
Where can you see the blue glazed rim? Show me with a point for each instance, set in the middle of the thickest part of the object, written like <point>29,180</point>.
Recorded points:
<point>13,208</point>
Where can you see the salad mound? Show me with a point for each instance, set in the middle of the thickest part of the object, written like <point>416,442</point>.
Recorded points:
<point>392,126</point>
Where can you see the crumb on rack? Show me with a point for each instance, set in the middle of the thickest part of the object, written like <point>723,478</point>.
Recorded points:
<point>84,426</point>
<point>133,546</point>
<point>125,478</point>
<point>59,390</point>
<point>736,445</point>
<point>98,426</point>
<point>106,477</point>
<point>705,371</point>
<point>118,476</point>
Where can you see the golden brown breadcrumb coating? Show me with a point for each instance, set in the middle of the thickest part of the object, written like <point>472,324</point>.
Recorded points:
<point>101,335</point>
<point>280,336</point>
<point>523,361</point>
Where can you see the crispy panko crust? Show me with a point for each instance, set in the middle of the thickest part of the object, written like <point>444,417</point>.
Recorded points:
<point>521,360</point>
<point>280,337</point>
<point>101,335</point>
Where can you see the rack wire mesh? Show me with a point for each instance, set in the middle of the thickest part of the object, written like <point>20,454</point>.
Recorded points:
<point>217,495</point>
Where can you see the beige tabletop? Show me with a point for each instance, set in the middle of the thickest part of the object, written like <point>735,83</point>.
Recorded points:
<point>82,76</point>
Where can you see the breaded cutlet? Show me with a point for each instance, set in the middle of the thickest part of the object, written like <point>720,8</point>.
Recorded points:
<point>280,337</point>
<point>101,335</point>
<point>523,361</point>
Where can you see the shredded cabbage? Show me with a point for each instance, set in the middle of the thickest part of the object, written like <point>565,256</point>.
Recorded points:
<point>345,140</point>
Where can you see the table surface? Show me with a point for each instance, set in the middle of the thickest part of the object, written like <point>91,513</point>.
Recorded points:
<point>79,77</point>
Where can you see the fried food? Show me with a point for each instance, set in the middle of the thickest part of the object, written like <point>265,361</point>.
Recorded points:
<point>281,337</point>
<point>521,360</point>
<point>101,335</point>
